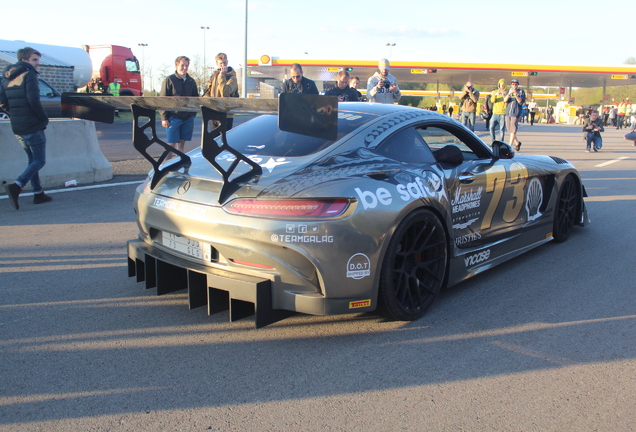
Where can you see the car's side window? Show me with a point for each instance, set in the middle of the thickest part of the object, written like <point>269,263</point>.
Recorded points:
<point>406,146</point>
<point>438,138</point>
<point>46,90</point>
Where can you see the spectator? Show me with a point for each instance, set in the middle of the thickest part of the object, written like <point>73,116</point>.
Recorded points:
<point>298,83</point>
<point>342,89</point>
<point>613,114</point>
<point>580,113</point>
<point>114,88</point>
<point>179,124</point>
<point>524,113</point>
<point>549,112</point>
<point>533,107</point>
<point>20,98</point>
<point>486,111</point>
<point>498,118</point>
<point>382,87</point>
<point>592,128</point>
<point>353,83</point>
<point>631,136</point>
<point>606,111</point>
<point>469,99</point>
<point>515,99</point>
<point>622,109</point>
<point>223,83</point>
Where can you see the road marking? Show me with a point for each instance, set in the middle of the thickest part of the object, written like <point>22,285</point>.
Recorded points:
<point>71,189</point>
<point>611,161</point>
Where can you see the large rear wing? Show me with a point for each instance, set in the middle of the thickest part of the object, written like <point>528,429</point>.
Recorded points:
<point>310,115</point>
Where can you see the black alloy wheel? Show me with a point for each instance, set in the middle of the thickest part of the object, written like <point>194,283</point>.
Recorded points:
<point>567,209</point>
<point>414,267</point>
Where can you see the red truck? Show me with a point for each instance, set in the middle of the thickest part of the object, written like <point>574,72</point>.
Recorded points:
<point>112,62</point>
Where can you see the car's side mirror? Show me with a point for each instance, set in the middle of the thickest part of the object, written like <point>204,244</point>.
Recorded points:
<point>501,150</point>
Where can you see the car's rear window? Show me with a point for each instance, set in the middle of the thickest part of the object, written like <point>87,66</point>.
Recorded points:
<point>261,136</point>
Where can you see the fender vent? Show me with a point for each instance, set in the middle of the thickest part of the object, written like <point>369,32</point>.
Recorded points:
<point>559,160</point>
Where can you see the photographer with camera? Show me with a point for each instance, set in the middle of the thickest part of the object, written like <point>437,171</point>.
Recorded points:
<point>382,87</point>
<point>223,83</point>
<point>592,128</point>
<point>514,100</point>
<point>469,99</point>
<point>342,89</point>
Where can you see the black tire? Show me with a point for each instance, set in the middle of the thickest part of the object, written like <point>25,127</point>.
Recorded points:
<point>414,267</point>
<point>566,210</point>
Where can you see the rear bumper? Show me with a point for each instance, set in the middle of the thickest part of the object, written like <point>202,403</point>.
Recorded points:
<point>220,290</point>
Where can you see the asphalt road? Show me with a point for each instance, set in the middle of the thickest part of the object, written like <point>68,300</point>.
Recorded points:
<point>546,342</point>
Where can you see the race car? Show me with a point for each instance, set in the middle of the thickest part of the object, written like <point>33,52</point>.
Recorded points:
<point>327,208</point>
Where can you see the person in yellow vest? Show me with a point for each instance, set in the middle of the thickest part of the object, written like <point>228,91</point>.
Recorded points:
<point>498,110</point>
<point>622,109</point>
<point>113,88</point>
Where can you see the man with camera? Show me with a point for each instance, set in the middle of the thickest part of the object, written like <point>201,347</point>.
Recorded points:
<point>223,83</point>
<point>342,89</point>
<point>469,99</point>
<point>514,100</point>
<point>382,87</point>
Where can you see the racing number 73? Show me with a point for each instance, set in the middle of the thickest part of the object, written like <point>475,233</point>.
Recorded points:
<point>496,179</point>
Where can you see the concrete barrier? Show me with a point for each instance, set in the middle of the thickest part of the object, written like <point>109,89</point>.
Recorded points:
<point>72,153</point>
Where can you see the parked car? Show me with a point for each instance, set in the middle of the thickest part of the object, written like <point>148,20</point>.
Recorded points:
<point>325,208</point>
<point>50,99</point>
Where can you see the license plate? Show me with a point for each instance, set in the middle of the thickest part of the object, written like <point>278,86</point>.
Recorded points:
<point>193,248</point>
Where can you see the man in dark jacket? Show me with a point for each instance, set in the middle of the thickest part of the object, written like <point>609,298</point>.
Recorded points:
<point>179,124</point>
<point>592,128</point>
<point>342,89</point>
<point>298,83</point>
<point>20,98</point>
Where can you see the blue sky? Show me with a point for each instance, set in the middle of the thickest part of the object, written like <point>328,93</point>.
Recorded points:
<point>535,32</point>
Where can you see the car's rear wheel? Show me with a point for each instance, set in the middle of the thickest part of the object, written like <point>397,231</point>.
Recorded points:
<point>567,209</point>
<point>414,267</point>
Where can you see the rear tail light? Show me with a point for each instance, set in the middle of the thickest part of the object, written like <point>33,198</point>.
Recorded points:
<point>289,208</point>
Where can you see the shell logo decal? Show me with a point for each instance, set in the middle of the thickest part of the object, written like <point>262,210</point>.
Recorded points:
<point>534,199</point>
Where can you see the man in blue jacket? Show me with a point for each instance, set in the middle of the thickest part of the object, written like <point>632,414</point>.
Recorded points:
<point>20,98</point>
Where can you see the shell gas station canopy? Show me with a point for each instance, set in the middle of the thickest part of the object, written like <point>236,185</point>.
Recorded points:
<point>452,73</point>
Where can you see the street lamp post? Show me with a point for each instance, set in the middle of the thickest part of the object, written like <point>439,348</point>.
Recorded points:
<point>390,45</point>
<point>244,75</point>
<point>143,64</point>
<point>205,69</point>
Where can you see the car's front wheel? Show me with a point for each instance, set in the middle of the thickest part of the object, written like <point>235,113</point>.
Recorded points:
<point>567,209</point>
<point>414,267</point>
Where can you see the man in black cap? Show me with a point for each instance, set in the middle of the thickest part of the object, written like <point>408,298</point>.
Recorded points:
<point>514,100</point>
